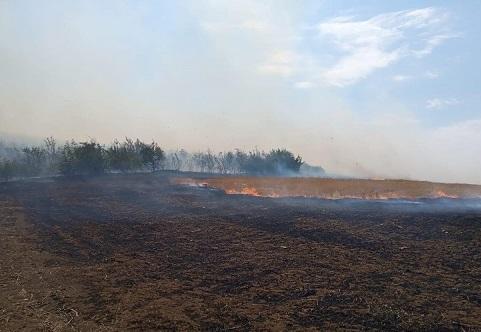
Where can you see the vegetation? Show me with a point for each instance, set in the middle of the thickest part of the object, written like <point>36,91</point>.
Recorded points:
<point>7,169</point>
<point>92,158</point>
<point>152,156</point>
<point>85,158</point>
<point>276,162</point>
<point>125,156</point>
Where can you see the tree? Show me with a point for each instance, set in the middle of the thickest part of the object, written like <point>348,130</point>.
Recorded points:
<point>152,155</point>
<point>85,158</point>
<point>225,162</point>
<point>209,161</point>
<point>255,163</point>
<point>276,162</point>
<point>175,161</point>
<point>229,162</point>
<point>199,161</point>
<point>35,159</point>
<point>124,156</point>
<point>282,161</point>
<point>186,158</point>
<point>241,161</point>
<point>8,169</point>
<point>52,154</point>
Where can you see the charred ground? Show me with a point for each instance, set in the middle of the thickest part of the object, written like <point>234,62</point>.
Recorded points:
<point>138,252</point>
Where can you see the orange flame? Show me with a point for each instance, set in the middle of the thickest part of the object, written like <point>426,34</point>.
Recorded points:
<point>333,189</point>
<point>243,191</point>
<point>252,191</point>
<point>442,194</point>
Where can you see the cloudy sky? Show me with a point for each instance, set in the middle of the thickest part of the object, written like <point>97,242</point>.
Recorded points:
<point>367,88</point>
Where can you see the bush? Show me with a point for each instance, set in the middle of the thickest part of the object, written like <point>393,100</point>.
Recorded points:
<point>152,155</point>
<point>89,158</point>
<point>281,161</point>
<point>8,169</point>
<point>276,162</point>
<point>35,160</point>
<point>53,155</point>
<point>85,158</point>
<point>125,156</point>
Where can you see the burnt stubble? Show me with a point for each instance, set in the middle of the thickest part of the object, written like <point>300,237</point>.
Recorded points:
<point>139,252</point>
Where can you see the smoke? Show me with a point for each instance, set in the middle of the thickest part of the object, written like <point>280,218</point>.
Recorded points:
<point>197,76</point>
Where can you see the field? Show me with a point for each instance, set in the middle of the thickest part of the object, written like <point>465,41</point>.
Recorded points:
<point>143,252</point>
<point>336,188</point>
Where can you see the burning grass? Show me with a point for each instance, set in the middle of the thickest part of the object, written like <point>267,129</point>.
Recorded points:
<point>336,188</point>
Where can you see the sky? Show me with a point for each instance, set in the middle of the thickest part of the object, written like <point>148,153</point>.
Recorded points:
<point>388,89</point>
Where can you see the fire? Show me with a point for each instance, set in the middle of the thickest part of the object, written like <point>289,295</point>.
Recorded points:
<point>334,188</point>
<point>189,182</point>
<point>251,191</point>
<point>244,191</point>
<point>442,194</point>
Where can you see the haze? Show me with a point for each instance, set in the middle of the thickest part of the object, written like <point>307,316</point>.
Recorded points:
<point>362,88</point>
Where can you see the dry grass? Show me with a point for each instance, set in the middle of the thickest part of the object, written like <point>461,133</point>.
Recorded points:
<point>338,188</point>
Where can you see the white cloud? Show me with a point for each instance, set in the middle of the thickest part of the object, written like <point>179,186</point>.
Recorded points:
<point>253,25</point>
<point>438,103</point>
<point>401,78</point>
<point>431,43</point>
<point>351,69</point>
<point>277,69</point>
<point>303,85</point>
<point>359,47</point>
<point>427,75</point>
<point>431,75</point>
<point>375,43</point>
<point>280,62</point>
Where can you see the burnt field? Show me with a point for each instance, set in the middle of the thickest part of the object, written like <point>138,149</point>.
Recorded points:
<point>139,252</point>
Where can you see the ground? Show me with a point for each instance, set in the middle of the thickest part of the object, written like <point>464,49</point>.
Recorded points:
<point>138,252</point>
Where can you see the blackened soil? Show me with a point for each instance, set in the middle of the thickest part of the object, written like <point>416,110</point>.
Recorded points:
<point>136,252</point>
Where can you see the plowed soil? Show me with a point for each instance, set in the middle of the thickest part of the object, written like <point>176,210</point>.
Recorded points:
<point>141,253</point>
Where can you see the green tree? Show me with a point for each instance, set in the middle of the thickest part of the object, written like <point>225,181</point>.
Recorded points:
<point>85,158</point>
<point>8,169</point>
<point>152,156</point>
<point>281,161</point>
<point>124,156</point>
<point>35,160</point>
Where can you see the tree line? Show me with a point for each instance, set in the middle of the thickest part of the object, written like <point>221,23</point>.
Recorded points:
<point>91,158</point>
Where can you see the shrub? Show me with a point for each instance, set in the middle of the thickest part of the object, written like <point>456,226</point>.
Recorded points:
<point>125,156</point>
<point>282,161</point>
<point>85,158</point>
<point>276,162</point>
<point>152,155</point>
<point>35,160</point>
<point>8,169</point>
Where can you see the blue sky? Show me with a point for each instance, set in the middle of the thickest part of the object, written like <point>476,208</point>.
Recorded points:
<point>368,88</point>
<point>446,80</point>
